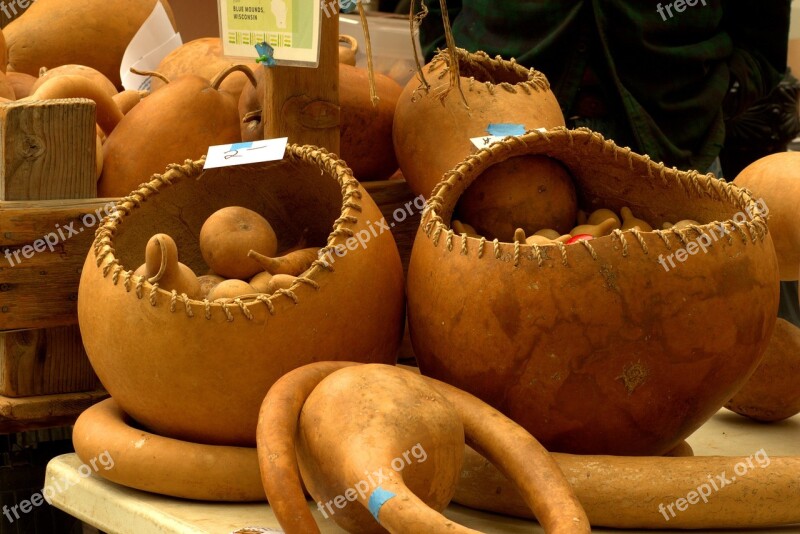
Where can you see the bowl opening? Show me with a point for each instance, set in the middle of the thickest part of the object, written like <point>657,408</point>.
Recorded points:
<point>297,195</point>
<point>484,69</point>
<point>613,180</point>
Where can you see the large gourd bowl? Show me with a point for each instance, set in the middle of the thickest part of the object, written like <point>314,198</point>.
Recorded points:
<point>198,371</point>
<point>596,347</point>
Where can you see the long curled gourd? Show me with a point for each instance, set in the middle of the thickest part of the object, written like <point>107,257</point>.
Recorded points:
<point>351,427</point>
<point>710,492</point>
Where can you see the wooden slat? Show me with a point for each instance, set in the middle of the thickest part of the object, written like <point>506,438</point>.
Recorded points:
<point>42,291</point>
<point>47,150</point>
<point>44,411</point>
<point>42,361</point>
<point>303,104</point>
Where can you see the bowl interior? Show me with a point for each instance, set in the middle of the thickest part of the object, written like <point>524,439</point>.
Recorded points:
<point>600,183</point>
<point>290,194</point>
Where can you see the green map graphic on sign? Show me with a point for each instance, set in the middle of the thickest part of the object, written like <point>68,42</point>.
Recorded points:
<point>281,23</point>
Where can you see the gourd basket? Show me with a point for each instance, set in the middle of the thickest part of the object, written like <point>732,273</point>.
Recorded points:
<point>198,371</point>
<point>495,90</point>
<point>596,347</point>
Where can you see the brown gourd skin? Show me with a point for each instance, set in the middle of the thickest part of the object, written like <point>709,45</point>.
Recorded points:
<point>530,192</point>
<point>432,134</point>
<point>625,492</point>
<point>304,190</point>
<point>21,83</point>
<point>77,70</point>
<point>127,100</point>
<point>6,88</point>
<point>374,433</point>
<point>231,289</point>
<point>493,320</point>
<point>776,179</point>
<point>208,282</point>
<point>228,473</point>
<point>229,234</point>
<point>106,27</point>
<point>74,86</point>
<point>162,267</point>
<point>3,53</point>
<point>201,57</point>
<point>348,48</point>
<point>772,393</point>
<point>249,108</point>
<point>177,122</point>
<point>342,423</point>
<point>293,263</point>
<point>365,131</point>
<point>279,281</point>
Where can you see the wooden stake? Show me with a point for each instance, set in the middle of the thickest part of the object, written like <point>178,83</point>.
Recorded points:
<point>303,104</point>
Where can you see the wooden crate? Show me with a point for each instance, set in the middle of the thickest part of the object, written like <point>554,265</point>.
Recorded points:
<point>47,161</point>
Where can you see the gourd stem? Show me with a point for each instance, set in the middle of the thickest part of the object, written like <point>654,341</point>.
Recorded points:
<point>152,73</point>
<point>219,78</point>
<point>373,91</point>
<point>163,265</point>
<point>455,71</point>
<point>415,21</point>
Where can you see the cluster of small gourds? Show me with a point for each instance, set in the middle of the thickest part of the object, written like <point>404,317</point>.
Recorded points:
<point>239,246</point>
<point>596,224</point>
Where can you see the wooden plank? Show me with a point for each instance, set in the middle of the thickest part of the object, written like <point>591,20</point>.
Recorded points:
<point>41,290</point>
<point>303,104</point>
<point>39,362</point>
<point>44,411</point>
<point>47,150</point>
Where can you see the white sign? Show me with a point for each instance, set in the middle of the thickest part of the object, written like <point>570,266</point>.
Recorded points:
<point>244,153</point>
<point>290,27</point>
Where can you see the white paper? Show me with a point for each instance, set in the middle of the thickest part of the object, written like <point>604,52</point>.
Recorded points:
<point>244,153</point>
<point>291,27</point>
<point>486,140</point>
<point>154,40</point>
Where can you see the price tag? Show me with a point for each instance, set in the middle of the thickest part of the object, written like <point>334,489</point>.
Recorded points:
<point>291,27</point>
<point>486,140</point>
<point>501,131</point>
<point>244,153</point>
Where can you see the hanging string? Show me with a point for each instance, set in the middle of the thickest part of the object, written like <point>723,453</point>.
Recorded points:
<point>373,91</point>
<point>415,21</point>
<point>455,71</point>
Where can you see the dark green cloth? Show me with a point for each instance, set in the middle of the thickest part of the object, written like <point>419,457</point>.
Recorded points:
<point>671,80</point>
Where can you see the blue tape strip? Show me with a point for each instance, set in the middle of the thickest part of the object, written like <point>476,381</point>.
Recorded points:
<point>240,146</point>
<point>504,129</point>
<point>377,500</point>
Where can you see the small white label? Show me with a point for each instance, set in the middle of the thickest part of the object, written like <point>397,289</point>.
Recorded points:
<point>244,153</point>
<point>487,140</point>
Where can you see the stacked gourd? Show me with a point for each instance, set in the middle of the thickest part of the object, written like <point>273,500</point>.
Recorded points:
<point>195,99</point>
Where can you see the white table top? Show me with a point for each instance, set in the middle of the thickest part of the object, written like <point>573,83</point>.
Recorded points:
<point>119,510</point>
